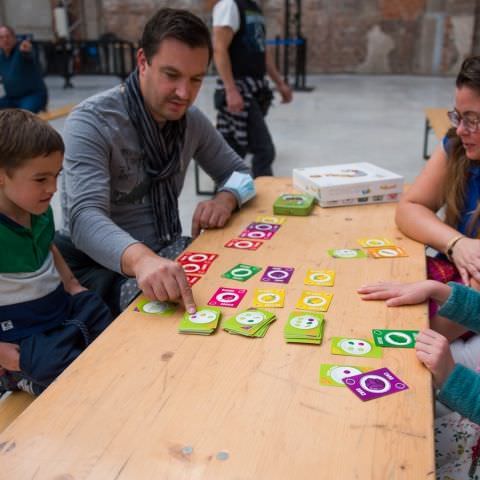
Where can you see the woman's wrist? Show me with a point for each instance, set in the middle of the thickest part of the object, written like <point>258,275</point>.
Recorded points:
<point>451,245</point>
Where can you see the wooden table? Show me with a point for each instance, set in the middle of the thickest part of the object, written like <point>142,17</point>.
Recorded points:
<point>145,402</point>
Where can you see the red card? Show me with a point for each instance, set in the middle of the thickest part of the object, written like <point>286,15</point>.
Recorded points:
<point>192,279</point>
<point>196,257</point>
<point>243,244</point>
<point>195,268</point>
<point>256,235</point>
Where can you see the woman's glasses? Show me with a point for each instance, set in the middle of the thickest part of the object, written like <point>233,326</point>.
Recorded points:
<point>471,121</point>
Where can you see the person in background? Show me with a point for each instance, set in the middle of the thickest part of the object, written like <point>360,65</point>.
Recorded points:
<point>243,95</point>
<point>21,75</point>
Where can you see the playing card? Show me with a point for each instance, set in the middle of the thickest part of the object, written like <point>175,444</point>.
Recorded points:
<point>346,253</point>
<point>154,307</point>
<point>375,384</point>
<point>271,219</point>
<point>252,322</point>
<point>227,297</point>
<point>304,327</point>
<point>269,297</point>
<point>375,242</point>
<point>395,338</point>
<point>315,301</point>
<point>263,227</point>
<point>331,375</point>
<point>324,278</point>
<point>196,257</point>
<point>277,274</point>
<point>355,347</point>
<point>203,322</point>
<point>256,235</point>
<point>386,252</point>
<point>243,244</point>
<point>241,272</point>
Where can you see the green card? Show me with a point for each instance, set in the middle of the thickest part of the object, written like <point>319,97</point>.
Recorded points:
<point>395,338</point>
<point>331,375</point>
<point>203,322</point>
<point>252,322</point>
<point>302,327</point>
<point>346,253</point>
<point>355,347</point>
<point>154,307</point>
<point>241,272</point>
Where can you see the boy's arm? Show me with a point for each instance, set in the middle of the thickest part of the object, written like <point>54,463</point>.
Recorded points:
<point>70,283</point>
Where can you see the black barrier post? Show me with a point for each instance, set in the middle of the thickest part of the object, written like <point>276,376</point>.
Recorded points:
<point>286,59</point>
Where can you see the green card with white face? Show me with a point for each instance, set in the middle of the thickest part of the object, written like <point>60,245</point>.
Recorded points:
<point>355,347</point>
<point>241,272</point>
<point>203,322</point>
<point>303,327</point>
<point>154,307</point>
<point>250,322</point>
<point>395,338</point>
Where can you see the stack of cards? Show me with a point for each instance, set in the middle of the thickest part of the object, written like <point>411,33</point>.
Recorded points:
<point>195,264</point>
<point>304,327</point>
<point>203,322</point>
<point>380,247</point>
<point>253,322</point>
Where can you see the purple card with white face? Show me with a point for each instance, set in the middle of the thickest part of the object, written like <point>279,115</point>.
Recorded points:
<point>263,227</point>
<point>256,234</point>
<point>374,384</point>
<point>277,274</point>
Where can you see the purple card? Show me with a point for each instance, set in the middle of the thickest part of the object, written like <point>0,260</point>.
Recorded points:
<point>263,227</point>
<point>256,234</point>
<point>374,384</point>
<point>277,274</point>
<point>227,297</point>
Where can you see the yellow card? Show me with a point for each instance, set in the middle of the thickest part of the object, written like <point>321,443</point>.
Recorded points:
<point>315,301</point>
<point>324,278</point>
<point>386,252</point>
<point>270,219</point>
<point>375,242</point>
<point>269,297</point>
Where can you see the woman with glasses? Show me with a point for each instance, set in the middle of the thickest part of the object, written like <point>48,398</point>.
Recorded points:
<point>451,179</point>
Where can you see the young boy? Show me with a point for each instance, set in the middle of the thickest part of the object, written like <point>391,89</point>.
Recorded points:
<point>46,317</point>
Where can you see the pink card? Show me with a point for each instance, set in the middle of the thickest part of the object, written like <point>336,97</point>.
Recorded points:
<point>192,279</point>
<point>196,257</point>
<point>243,244</point>
<point>227,297</point>
<point>263,227</point>
<point>374,384</point>
<point>277,274</point>
<point>196,268</point>
<point>256,234</point>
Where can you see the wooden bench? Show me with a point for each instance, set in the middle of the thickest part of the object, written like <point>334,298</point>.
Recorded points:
<point>11,406</point>
<point>57,112</point>
<point>436,119</point>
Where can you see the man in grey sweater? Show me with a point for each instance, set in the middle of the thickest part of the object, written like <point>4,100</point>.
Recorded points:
<point>127,152</point>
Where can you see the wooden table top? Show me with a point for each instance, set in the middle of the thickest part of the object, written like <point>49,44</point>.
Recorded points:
<point>144,402</point>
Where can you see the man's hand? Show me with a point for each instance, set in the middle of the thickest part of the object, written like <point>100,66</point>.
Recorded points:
<point>164,280</point>
<point>434,352</point>
<point>25,46</point>
<point>213,213</point>
<point>235,103</point>
<point>10,356</point>
<point>285,92</point>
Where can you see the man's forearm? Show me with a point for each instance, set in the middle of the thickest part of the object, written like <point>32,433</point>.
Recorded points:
<point>133,256</point>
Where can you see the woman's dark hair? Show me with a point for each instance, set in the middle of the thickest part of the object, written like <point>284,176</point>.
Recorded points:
<point>178,24</point>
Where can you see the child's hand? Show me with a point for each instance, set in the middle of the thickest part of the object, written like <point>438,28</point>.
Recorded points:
<point>434,352</point>
<point>10,356</point>
<point>74,287</point>
<point>396,293</point>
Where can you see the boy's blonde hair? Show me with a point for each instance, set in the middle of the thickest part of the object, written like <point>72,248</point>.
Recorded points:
<point>23,136</point>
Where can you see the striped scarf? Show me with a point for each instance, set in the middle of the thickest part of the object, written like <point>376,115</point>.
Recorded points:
<point>235,124</point>
<point>162,146</point>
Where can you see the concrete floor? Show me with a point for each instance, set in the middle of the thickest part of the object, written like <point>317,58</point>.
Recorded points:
<point>346,118</point>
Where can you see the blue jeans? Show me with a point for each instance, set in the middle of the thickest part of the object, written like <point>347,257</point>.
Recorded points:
<point>260,143</point>
<point>34,102</point>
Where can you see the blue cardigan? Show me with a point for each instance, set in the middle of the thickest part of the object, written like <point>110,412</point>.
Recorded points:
<point>461,390</point>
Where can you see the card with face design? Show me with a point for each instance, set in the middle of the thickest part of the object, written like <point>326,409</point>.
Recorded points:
<point>321,278</point>
<point>314,301</point>
<point>375,384</point>
<point>346,253</point>
<point>375,242</point>
<point>269,297</point>
<point>355,347</point>
<point>302,327</point>
<point>252,322</point>
<point>332,375</point>
<point>203,322</point>
<point>153,307</point>
<point>227,297</point>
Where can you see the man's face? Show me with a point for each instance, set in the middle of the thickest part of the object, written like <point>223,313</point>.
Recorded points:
<point>7,40</point>
<point>170,83</point>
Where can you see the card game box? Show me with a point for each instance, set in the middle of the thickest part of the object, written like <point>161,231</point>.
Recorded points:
<point>349,184</point>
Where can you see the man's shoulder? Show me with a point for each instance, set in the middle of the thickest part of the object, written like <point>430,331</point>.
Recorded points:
<point>197,119</point>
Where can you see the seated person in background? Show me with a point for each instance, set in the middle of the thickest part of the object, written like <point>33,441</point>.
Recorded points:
<point>21,75</point>
<point>46,317</point>
<point>127,152</point>
<point>451,179</point>
<point>457,434</point>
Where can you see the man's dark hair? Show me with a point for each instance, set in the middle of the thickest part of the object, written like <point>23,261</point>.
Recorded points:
<point>23,136</point>
<point>181,25</point>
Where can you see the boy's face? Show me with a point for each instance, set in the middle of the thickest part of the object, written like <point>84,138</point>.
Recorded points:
<point>170,83</point>
<point>30,188</point>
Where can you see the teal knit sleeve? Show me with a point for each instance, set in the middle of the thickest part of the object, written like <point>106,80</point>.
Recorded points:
<point>461,392</point>
<point>463,306</point>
